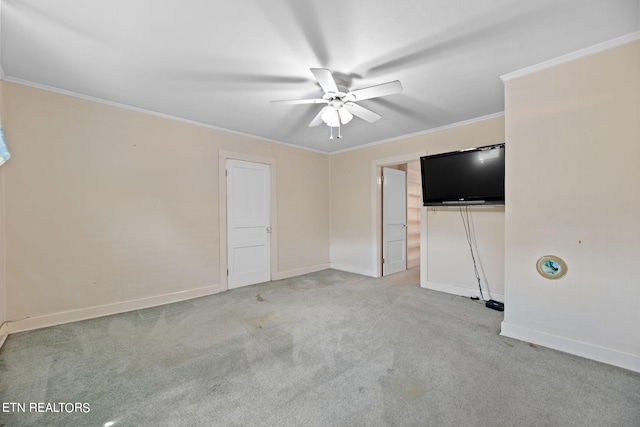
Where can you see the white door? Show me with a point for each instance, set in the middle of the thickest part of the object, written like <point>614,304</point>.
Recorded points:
<point>248,223</point>
<point>394,221</point>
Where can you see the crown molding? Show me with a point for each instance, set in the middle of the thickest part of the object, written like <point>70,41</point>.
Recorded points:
<point>572,56</point>
<point>192,122</point>
<point>152,113</point>
<point>424,132</point>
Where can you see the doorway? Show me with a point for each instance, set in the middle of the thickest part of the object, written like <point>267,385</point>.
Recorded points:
<point>410,164</point>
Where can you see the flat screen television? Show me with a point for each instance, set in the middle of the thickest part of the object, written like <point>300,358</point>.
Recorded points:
<point>461,178</point>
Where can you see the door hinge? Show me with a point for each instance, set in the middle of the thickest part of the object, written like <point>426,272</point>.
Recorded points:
<point>383,260</point>
<point>227,271</point>
<point>226,172</point>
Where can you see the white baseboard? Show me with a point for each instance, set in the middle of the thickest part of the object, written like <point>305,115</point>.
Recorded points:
<point>567,345</point>
<point>4,333</point>
<point>459,290</point>
<point>108,309</point>
<point>351,269</point>
<point>301,271</point>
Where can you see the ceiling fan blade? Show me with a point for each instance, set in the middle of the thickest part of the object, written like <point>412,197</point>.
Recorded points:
<point>325,79</point>
<point>317,120</point>
<point>300,101</point>
<point>363,113</point>
<point>383,89</point>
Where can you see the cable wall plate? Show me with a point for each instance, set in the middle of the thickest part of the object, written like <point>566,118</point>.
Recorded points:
<point>551,267</point>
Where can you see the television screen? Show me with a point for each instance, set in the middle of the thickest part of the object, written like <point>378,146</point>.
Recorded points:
<point>462,178</point>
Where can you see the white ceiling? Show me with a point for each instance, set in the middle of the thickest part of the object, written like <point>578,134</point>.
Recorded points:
<point>219,63</point>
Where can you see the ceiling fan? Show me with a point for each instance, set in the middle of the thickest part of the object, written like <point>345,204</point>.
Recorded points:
<point>341,104</point>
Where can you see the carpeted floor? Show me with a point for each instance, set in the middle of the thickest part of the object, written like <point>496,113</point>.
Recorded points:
<point>324,349</point>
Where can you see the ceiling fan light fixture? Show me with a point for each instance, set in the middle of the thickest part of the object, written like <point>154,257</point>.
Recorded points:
<point>345,115</point>
<point>331,117</point>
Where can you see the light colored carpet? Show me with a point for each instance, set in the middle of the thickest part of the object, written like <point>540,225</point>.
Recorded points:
<point>324,349</point>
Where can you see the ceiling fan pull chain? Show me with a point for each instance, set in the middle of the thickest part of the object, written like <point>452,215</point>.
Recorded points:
<point>331,136</point>
<point>339,127</point>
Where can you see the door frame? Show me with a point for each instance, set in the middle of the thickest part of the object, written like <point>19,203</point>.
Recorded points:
<point>376,201</point>
<point>223,156</point>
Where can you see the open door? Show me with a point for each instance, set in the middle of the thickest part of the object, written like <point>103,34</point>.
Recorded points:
<point>394,221</point>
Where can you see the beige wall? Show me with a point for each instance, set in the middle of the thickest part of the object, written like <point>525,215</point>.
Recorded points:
<point>353,228</point>
<point>573,190</point>
<point>449,263</point>
<point>303,209</point>
<point>3,285</point>
<point>107,205</point>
